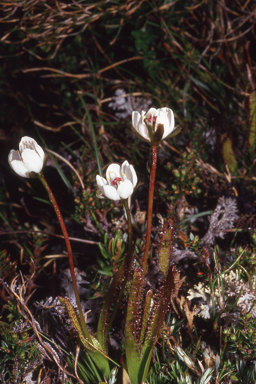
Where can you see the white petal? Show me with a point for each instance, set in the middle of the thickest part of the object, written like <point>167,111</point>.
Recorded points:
<point>32,161</point>
<point>152,111</point>
<point>129,172</point>
<point>101,182</point>
<point>134,176</point>
<point>164,109</point>
<point>139,125</point>
<point>17,165</point>
<point>125,169</point>
<point>143,131</point>
<point>40,151</point>
<point>25,140</point>
<point>19,168</point>
<point>136,117</point>
<point>125,189</point>
<point>110,192</point>
<point>29,143</point>
<point>13,155</point>
<point>113,171</point>
<point>171,122</point>
<point>162,119</point>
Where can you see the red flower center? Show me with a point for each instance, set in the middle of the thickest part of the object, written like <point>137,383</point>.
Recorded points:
<point>149,119</point>
<point>116,181</point>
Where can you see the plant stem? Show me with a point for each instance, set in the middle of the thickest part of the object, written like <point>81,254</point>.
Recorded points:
<point>130,249</point>
<point>128,263</point>
<point>70,255</point>
<point>150,210</point>
<point>124,271</point>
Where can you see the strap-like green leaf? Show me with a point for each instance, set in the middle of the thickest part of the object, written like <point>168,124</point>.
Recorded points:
<point>93,346</point>
<point>86,340</point>
<point>103,324</point>
<point>252,133</point>
<point>131,349</point>
<point>146,315</point>
<point>229,154</point>
<point>165,247</point>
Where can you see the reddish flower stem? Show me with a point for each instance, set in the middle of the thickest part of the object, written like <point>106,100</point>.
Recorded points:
<point>70,255</point>
<point>150,210</point>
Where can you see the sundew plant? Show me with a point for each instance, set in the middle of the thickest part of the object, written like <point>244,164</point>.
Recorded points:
<point>128,210</point>
<point>146,308</point>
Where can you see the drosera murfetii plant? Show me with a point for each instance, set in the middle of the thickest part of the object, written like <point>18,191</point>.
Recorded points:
<point>211,89</point>
<point>148,299</point>
<point>146,309</point>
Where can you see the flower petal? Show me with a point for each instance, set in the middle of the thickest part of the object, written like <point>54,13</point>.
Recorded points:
<point>29,143</point>
<point>110,192</point>
<point>125,170</point>
<point>151,111</point>
<point>40,151</point>
<point>143,131</point>
<point>136,117</point>
<point>13,155</point>
<point>155,125</point>
<point>32,161</point>
<point>113,171</point>
<point>162,118</point>
<point>129,172</point>
<point>125,189</point>
<point>17,165</point>
<point>101,182</point>
<point>139,135</point>
<point>171,121</point>
<point>139,125</point>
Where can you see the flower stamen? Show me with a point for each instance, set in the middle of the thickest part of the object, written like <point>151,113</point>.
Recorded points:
<point>116,181</point>
<point>151,119</point>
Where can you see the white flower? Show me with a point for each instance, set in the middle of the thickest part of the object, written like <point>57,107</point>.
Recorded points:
<point>29,157</point>
<point>119,183</point>
<point>155,125</point>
